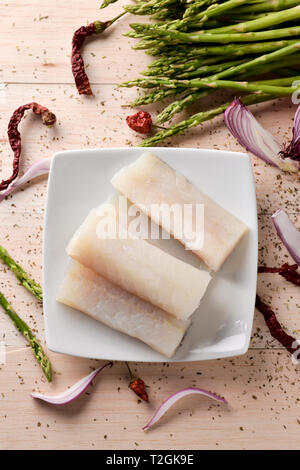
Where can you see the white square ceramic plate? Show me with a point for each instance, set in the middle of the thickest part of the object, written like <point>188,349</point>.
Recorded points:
<point>80,180</point>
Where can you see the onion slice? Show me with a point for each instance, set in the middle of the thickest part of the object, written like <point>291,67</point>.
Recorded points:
<point>72,393</point>
<point>42,167</point>
<point>293,149</point>
<point>164,407</point>
<point>288,233</point>
<point>251,135</point>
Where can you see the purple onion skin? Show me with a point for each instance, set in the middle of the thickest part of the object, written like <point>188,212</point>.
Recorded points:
<point>288,233</point>
<point>254,138</point>
<point>292,151</point>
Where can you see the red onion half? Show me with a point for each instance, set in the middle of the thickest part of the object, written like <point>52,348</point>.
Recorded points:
<point>164,407</point>
<point>42,167</point>
<point>73,392</point>
<point>254,138</point>
<point>288,233</point>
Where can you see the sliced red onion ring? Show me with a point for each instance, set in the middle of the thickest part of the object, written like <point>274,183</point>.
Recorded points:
<point>251,135</point>
<point>175,397</point>
<point>293,150</point>
<point>288,233</point>
<point>39,168</point>
<point>72,393</point>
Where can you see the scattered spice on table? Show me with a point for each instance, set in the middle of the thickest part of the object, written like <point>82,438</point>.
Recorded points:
<point>14,136</point>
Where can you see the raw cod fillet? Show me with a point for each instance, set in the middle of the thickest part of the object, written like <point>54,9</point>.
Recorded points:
<point>150,181</point>
<point>140,268</point>
<point>94,295</point>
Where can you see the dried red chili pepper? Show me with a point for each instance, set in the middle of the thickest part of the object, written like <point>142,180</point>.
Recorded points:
<point>137,385</point>
<point>79,74</point>
<point>274,326</point>
<point>289,272</point>
<point>284,267</point>
<point>14,135</point>
<point>140,122</point>
<point>291,276</point>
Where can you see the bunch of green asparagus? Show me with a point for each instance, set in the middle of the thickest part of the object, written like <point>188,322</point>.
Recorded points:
<point>248,46</point>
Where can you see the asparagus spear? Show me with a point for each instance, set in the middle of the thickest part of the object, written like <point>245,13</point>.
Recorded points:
<point>196,6</point>
<point>154,96</point>
<point>199,72</point>
<point>265,21</point>
<point>37,349</point>
<point>197,119</point>
<point>179,105</point>
<point>105,3</point>
<point>213,11</point>
<point>162,68</point>
<point>270,5</point>
<point>149,7</point>
<point>21,275</point>
<point>180,53</point>
<point>175,37</point>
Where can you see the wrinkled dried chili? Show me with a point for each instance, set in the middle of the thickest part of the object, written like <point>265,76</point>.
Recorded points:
<point>274,326</point>
<point>291,276</point>
<point>14,135</point>
<point>140,122</point>
<point>284,267</point>
<point>137,385</point>
<point>79,74</point>
<point>289,272</point>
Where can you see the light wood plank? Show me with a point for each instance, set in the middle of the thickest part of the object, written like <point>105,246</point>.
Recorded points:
<point>261,388</point>
<point>36,38</point>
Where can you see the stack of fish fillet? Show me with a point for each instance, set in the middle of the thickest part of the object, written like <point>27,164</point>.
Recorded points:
<point>130,283</point>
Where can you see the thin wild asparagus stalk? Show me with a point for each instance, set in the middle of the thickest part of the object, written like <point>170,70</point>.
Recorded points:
<point>180,105</point>
<point>197,119</point>
<point>164,65</point>
<point>196,6</point>
<point>37,349</point>
<point>271,19</point>
<point>105,3</point>
<point>214,84</point>
<point>175,37</point>
<point>154,96</point>
<point>212,12</point>
<point>148,8</point>
<point>199,72</point>
<point>184,52</point>
<point>249,86</point>
<point>286,81</point>
<point>21,275</point>
<point>269,5</point>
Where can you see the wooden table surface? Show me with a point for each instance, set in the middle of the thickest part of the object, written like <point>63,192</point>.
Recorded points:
<point>262,387</point>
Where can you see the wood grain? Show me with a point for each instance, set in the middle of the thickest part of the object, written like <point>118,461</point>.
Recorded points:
<point>261,387</point>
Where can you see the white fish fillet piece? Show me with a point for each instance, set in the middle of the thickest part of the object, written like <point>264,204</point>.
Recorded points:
<point>150,181</point>
<point>140,268</point>
<point>94,295</point>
